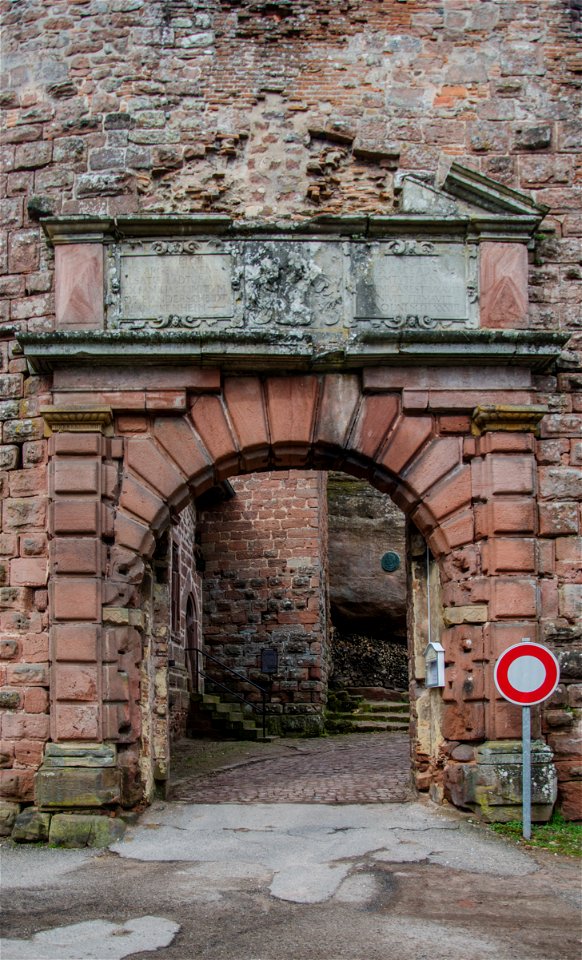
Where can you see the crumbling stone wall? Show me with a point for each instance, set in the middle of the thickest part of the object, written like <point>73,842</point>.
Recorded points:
<point>265,587</point>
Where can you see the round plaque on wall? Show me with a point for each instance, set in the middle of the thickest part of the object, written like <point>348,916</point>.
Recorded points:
<point>390,561</point>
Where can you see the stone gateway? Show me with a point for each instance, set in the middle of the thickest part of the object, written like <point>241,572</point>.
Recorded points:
<point>257,249</point>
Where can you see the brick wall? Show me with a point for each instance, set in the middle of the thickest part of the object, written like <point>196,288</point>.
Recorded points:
<point>265,587</point>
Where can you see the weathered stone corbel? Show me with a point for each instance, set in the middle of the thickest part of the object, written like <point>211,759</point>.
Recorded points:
<point>77,419</point>
<point>507,417</point>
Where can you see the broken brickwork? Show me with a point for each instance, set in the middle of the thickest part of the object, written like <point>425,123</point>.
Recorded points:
<point>278,111</point>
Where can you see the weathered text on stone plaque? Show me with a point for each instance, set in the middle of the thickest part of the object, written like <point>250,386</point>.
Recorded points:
<point>409,283</point>
<point>333,287</point>
<point>176,289</point>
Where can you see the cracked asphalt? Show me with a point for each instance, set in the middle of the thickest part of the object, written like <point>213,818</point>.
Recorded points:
<point>292,881</point>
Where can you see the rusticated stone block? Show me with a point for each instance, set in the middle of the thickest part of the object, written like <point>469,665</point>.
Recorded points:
<point>76,516</point>
<point>77,787</point>
<point>75,682</point>
<point>503,287</point>
<point>505,517</point>
<point>513,597</point>
<point>505,555</point>
<point>72,476</point>
<point>74,641</point>
<point>76,599</point>
<point>79,286</point>
<point>85,830</point>
<point>31,826</point>
<point>78,721</point>
<point>8,813</point>
<point>76,444</point>
<point>77,555</point>
<point>492,786</point>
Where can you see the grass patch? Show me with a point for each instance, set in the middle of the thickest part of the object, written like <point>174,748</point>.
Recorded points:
<point>557,836</point>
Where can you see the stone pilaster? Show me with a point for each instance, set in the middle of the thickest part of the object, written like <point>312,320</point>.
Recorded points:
<point>78,521</point>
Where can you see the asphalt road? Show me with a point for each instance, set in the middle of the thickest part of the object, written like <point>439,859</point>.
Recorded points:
<point>292,882</point>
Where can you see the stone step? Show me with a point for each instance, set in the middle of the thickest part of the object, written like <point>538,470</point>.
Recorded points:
<point>378,693</point>
<point>374,706</point>
<point>380,725</point>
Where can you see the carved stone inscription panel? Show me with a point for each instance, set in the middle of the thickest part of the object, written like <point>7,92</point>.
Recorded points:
<point>332,286</point>
<point>410,283</point>
<point>169,284</point>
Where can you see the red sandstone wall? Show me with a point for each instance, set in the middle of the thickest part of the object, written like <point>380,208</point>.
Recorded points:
<point>265,585</point>
<point>166,107</point>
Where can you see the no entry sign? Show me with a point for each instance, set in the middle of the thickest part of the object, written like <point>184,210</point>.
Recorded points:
<point>527,673</point>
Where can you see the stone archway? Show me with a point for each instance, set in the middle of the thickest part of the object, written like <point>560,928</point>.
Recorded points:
<point>191,349</point>
<point>471,497</point>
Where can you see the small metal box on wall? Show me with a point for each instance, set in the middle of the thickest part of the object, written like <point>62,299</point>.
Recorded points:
<point>434,658</point>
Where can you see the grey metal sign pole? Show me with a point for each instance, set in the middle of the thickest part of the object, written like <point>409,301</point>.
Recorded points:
<point>525,674</point>
<point>526,771</point>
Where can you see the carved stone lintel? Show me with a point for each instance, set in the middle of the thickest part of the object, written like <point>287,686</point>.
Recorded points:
<point>77,419</point>
<point>507,417</point>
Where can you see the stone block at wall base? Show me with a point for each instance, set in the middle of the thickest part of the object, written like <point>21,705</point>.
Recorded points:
<point>70,787</point>
<point>78,775</point>
<point>492,785</point>
<point>31,826</point>
<point>84,830</point>
<point>296,725</point>
<point>8,813</point>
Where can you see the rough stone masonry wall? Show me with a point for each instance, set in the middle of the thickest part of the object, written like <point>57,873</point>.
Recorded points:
<point>270,110</point>
<point>265,587</point>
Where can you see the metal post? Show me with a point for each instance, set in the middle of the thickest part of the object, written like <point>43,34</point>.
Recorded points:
<point>526,770</point>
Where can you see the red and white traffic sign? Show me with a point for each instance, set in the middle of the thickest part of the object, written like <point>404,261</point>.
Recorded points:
<point>527,673</point>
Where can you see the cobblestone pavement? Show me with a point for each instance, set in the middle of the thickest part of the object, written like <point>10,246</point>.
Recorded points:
<point>354,768</point>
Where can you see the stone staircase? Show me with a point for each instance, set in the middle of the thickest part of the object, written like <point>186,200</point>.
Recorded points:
<point>211,716</point>
<point>367,710</point>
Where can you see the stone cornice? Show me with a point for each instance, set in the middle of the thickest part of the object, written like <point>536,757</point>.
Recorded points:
<point>269,350</point>
<point>484,225</point>
<point>507,417</point>
<point>77,419</point>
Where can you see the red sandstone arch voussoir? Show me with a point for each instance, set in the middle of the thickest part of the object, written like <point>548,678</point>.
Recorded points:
<point>181,443</point>
<point>145,459</point>
<point>211,422</point>
<point>145,505</point>
<point>291,409</point>
<point>405,441</point>
<point>245,401</point>
<point>339,401</point>
<point>374,421</point>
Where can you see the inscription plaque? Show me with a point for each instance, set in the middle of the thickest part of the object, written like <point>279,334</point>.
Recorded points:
<point>335,288</point>
<point>166,289</point>
<point>409,284</point>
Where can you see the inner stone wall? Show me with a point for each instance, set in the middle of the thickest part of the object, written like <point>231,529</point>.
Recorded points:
<point>265,587</point>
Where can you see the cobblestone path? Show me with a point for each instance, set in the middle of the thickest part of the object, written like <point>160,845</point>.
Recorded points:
<point>354,768</point>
